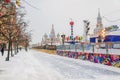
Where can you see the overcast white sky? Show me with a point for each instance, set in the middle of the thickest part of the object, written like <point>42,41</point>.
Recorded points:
<point>59,12</point>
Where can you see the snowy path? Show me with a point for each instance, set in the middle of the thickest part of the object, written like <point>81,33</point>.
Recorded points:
<point>40,66</point>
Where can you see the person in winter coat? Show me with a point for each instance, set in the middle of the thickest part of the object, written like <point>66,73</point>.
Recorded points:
<point>2,51</point>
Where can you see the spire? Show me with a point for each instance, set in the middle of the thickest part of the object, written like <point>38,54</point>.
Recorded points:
<point>99,13</point>
<point>52,33</point>
<point>99,25</point>
<point>99,19</point>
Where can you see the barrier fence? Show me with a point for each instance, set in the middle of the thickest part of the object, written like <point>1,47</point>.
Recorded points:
<point>94,53</point>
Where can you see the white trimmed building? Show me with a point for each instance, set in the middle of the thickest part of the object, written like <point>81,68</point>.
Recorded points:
<point>51,39</point>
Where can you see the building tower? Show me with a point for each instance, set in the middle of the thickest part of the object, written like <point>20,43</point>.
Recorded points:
<point>58,36</point>
<point>52,35</point>
<point>45,38</point>
<point>99,25</point>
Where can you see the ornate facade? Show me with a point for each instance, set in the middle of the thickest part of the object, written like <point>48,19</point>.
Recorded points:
<point>51,39</point>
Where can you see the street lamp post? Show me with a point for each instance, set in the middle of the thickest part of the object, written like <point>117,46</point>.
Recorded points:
<point>63,39</point>
<point>93,48</point>
<point>51,41</point>
<point>82,44</point>
<point>71,37</point>
<point>86,30</point>
<point>107,48</point>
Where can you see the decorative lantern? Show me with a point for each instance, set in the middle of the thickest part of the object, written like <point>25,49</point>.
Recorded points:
<point>80,38</point>
<point>0,14</point>
<point>0,22</point>
<point>103,34</point>
<point>71,23</point>
<point>71,37</point>
<point>68,38</point>
<point>77,38</point>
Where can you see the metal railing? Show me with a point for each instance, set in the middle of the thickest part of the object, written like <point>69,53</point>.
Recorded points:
<point>106,48</point>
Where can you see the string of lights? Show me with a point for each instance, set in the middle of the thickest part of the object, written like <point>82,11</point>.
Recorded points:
<point>111,20</point>
<point>110,13</point>
<point>103,16</point>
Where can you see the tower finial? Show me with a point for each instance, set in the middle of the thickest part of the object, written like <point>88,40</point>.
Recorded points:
<point>99,18</point>
<point>52,33</point>
<point>99,13</point>
<point>52,25</point>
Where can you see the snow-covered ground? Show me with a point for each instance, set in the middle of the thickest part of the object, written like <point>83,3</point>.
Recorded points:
<point>33,65</point>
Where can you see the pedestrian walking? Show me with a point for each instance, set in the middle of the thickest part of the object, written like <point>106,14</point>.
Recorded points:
<point>20,48</point>
<point>2,51</point>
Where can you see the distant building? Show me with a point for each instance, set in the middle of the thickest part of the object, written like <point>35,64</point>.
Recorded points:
<point>112,33</point>
<point>51,39</point>
<point>99,25</point>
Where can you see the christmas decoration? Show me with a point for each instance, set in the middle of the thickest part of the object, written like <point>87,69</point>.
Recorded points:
<point>18,2</point>
<point>0,14</point>
<point>71,23</point>
<point>7,1</point>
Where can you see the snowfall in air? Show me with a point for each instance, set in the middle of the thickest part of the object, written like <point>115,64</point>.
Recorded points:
<point>33,65</point>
